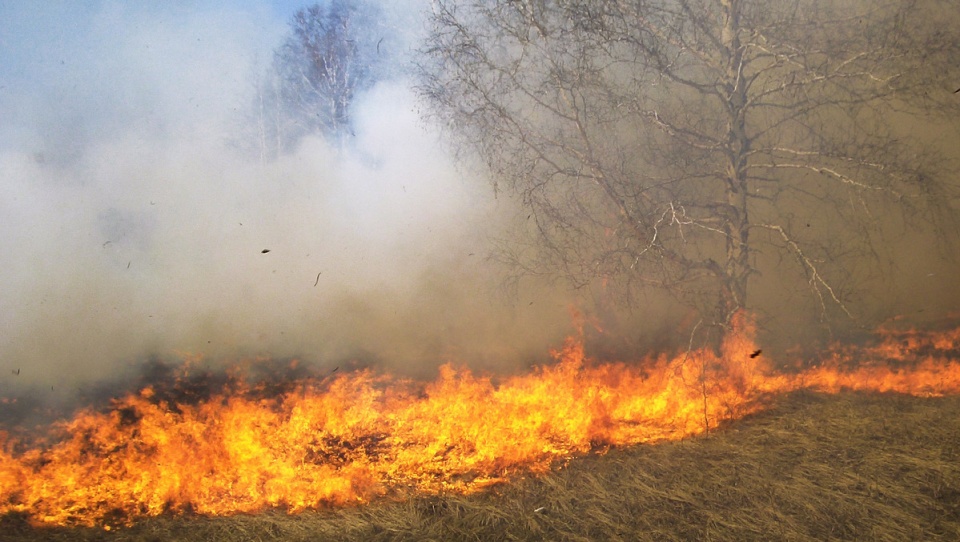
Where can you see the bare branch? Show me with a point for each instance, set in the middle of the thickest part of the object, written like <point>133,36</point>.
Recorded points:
<point>815,279</point>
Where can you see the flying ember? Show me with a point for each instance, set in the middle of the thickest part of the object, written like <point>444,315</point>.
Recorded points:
<point>353,437</point>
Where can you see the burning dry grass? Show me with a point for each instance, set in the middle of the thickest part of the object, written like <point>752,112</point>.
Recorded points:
<point>813,467</point>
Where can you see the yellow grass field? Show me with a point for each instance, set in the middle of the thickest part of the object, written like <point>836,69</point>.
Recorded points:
<point>813,467</point>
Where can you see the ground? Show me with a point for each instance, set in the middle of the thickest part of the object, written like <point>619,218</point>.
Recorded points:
<point>813,467</point>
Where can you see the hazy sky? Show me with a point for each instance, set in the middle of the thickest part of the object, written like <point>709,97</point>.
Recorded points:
<point>133,226</point>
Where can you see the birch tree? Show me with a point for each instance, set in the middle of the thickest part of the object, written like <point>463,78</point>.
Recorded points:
<point>331,53</point>
<point>691,145</point>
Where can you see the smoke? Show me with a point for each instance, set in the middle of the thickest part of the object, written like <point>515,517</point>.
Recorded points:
<point>133,227</point>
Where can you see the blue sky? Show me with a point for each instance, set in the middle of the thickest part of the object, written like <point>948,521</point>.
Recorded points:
<point>128,61</point>
<point>117,59</point>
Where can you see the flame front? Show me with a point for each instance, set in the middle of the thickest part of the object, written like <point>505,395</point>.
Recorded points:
<point>363,435</point>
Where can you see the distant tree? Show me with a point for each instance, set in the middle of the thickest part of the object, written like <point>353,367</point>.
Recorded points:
<point>330,54</point>
<point>690,145</point>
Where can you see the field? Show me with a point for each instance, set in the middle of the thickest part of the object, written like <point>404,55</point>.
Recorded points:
<point>813,467</point>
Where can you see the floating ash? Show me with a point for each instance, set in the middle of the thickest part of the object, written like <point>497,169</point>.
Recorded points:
<point>352,436</point>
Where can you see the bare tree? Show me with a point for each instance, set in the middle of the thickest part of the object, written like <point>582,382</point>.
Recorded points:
<point>331,53</point>
<point>691,144</point>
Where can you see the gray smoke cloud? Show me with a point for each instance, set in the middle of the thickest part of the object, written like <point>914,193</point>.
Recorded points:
<point>132,225</point>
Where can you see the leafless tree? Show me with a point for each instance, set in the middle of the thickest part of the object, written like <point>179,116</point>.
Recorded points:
<point>331,53</point>
<point>692,144</point>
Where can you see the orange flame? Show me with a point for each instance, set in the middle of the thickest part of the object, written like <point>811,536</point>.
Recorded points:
<point>364,435</point>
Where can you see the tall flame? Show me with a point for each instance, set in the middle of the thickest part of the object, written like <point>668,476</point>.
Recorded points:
<point>358,436</point>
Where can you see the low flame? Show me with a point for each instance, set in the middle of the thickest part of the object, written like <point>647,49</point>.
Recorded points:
<point>362,435</point>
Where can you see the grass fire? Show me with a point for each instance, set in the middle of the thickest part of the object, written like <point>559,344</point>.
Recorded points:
<point>356,437</point>
<point>300,269</point>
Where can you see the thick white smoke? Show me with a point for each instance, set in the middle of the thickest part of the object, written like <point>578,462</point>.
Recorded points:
<point>132,225</point>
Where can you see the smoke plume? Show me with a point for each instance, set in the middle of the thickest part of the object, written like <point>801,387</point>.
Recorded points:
<point>134,226</point>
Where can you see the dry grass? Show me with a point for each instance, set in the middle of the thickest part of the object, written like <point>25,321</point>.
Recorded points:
<point>814,467</point>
